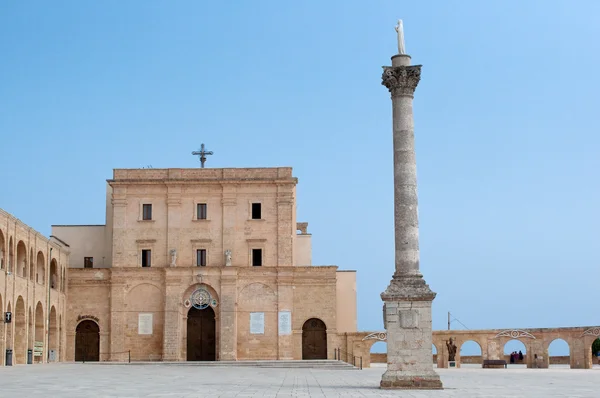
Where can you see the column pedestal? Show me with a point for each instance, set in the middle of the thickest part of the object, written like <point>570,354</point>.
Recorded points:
<point>407,318</point>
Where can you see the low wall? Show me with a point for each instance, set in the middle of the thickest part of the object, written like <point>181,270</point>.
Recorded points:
<point>476,359</point>
<point>378,357</point>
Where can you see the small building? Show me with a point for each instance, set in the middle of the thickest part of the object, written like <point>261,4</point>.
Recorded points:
<point>202,265</point>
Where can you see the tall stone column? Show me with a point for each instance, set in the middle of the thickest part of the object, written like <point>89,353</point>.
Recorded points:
<point>407,300</point>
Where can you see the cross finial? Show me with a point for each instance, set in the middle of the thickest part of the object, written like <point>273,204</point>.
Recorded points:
<point>202,153</point>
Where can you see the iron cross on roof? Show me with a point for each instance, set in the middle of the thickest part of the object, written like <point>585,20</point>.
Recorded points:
<point>202,153</point>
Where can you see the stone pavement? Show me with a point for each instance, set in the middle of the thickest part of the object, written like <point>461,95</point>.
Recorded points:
<point>94,380</point>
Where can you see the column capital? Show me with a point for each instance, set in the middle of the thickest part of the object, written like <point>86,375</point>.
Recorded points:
<point>401,80</point>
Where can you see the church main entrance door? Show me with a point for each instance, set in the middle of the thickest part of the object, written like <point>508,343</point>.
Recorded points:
<point>87,341</point>
<point>314,339</point>
<point>201,335</point>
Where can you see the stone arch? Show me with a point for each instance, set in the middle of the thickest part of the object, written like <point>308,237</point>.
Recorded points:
<point>21,265</point>
<point>2,250</point>
<point>314,339</point>
<point>87,341</point>
<point>185,300</point>
<point>53,332</point>
<point>53,274</point>
<point>515,345</point>
<point>558,348</point>
<point>467,352</point>
<point>147,300</point>
<point>20,347</point>
<point>257,301</point>
<point>31,265</point>
<point>378,352</point>
<point>40,268</point>
<point>11,255</point>
<point>39,328</point>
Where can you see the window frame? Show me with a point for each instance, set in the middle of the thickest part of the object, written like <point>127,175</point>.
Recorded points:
<point>252,204</point>
<point>262,255</point>
<point>91,262</point>
<point>144,211</point>
<point>199,213</point>
<point>199,257</point>
<point>142,258</point>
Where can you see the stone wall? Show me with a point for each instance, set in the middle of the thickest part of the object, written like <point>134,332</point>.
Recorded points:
<point>114,298</point>
<point>33,288</point>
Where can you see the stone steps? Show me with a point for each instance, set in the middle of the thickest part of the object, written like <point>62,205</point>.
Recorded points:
<point>307,364</point>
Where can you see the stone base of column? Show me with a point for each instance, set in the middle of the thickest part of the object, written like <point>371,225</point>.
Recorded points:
<point>407,319</point>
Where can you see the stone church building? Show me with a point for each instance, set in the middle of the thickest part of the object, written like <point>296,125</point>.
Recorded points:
<point>201,265</point>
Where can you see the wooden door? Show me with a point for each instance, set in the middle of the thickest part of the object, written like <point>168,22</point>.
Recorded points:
<point>201,335</point>
<point>314,339</point>
<point>87,342</point>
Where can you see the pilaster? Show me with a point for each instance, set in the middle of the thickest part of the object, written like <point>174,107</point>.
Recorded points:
<point>173,220</point>
<point>228,318</point>
<point>285,302</point>
<point>229,202</point>
<point>117,320</point>
<point>172,325</point>
<point>119,203</point>
<point>285,225</point>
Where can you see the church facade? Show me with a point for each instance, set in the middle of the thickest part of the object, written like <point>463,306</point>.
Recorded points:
<point>201,265</point>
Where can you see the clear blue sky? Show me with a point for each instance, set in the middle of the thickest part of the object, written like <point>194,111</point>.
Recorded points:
<point>506,130</point>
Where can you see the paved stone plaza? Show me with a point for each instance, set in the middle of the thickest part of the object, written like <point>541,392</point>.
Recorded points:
<point>101,380</point>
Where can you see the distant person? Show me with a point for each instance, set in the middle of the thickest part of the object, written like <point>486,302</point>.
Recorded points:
<point>512,357</point>
<point>520,356</point>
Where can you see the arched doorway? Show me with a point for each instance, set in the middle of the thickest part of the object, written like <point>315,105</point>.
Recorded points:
<point>314,339</point>
<point>53,336</point>
<point>20,351</point>
<point>87,341</point>
<point>38,344</point>
<point>201,335</point>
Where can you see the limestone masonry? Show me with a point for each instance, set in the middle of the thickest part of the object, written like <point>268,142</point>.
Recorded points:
<point>202,264</point>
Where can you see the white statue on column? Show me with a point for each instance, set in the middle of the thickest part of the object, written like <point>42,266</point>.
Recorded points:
<point>400,31</point>
<point>227,257</point>
<point>173,253</point>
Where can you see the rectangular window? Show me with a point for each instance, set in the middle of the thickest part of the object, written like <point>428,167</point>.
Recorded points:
<point>256,211</point>
<point>256,257</point>
<point>88,262</point>
<point>146,212</point>
<point>201,257</point>
<point>146,258</point>
<point>201,211</point>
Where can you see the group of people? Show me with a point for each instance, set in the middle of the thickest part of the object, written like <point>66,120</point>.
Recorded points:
<point>516,357</point>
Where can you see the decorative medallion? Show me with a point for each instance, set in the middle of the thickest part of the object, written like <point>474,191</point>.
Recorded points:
<point>592,332</point>
<point>213,303</point>
<point>381,336</point>
<point>187,303</point>
<point>515,334</point>
<point>201,298</point>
